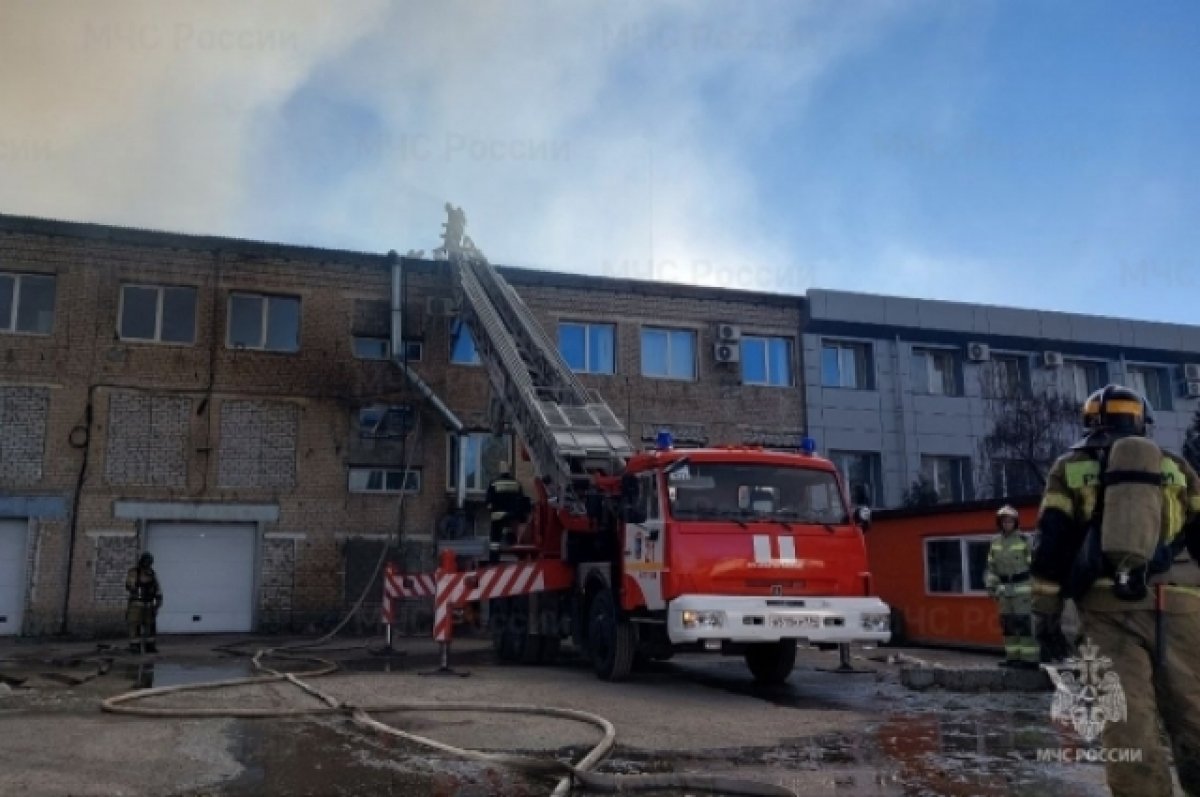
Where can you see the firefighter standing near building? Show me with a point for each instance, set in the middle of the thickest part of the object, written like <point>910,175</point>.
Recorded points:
<point>506,501</point>
<point>1007,580</point>
<point>1115,519</point>
<point>145,599</point>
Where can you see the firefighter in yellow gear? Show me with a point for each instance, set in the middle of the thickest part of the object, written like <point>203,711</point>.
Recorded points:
<point>507,502</point>
<point>1105,500</point>
<point>145,599</point>
<point>1008,581</point>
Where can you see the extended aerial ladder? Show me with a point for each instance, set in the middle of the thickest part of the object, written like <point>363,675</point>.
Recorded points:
<point>615,561</point>
<point>569,432</point>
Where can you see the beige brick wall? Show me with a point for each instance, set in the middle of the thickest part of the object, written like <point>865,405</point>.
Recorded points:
<point>204,422</point>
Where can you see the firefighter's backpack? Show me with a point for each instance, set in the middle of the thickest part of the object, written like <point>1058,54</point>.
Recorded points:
<point>1132,516</point>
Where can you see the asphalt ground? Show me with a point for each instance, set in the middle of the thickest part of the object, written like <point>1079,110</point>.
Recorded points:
<point>822,733</point>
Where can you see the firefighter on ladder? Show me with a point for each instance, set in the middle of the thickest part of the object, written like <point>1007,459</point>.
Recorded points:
<point>145,599</point>
<point>1007,580</point>
<point>506,500</point>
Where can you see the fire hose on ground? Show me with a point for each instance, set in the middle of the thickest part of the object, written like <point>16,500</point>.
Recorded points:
<point>581,774</point>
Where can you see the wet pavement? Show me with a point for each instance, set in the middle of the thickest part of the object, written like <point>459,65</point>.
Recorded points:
<point>820,734</point>
<point>149,673</point>
<point>950,748</point>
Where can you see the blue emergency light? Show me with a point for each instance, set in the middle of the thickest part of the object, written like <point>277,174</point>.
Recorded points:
<point>663,441</point>
<point>808,445</point>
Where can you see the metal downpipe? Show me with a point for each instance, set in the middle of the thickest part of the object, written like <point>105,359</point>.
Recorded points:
<point>398,358</point>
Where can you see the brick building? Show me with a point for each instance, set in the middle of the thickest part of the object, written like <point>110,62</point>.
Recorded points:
<point>230,406</point>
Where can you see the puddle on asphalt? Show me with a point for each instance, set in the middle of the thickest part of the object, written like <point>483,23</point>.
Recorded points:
<point>983,755</point>
<point>147,674</point>
<point>307,759</point>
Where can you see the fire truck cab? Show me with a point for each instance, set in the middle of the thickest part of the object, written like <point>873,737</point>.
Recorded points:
<point>736,550</point>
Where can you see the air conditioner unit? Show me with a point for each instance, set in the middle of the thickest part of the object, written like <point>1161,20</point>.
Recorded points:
<point>1191,372</point>
<point>727,352</point>
<point>440,306</point>
<point>978,352</point>
<point>1191,389</point>
<point>729,333</point>
<point>1052,359</point>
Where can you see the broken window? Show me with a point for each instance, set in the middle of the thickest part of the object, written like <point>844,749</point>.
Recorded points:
<point>384,421</point>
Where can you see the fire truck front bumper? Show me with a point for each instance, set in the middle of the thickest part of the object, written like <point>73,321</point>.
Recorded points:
<point>699,618</point>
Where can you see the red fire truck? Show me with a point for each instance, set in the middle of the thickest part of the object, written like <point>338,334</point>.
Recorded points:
<point>639,555</point>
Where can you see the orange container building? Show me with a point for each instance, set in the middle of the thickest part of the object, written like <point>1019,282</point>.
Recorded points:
<point>928,565</point>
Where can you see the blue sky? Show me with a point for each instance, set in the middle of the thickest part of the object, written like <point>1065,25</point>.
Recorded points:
<point>1037,154</point>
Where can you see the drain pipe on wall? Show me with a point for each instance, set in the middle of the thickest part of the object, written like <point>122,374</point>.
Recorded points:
<point>400,361</point>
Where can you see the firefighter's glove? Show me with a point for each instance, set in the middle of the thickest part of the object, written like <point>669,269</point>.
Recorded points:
<point>1046,597</point>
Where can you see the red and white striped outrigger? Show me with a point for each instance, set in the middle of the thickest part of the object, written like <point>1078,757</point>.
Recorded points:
<point>507,580</point>
<point>398,585</point>
<point>452,589</point>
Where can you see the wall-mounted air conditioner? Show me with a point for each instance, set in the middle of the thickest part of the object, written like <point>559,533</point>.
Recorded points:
<point>727,352</point>
<point>978,352</point>
<point>729,333</point>
<point>1052,359</point>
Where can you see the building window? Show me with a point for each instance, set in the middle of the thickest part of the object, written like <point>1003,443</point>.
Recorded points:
<point>157,314</point>
<point>588,348</point>
<point>267,323</point>
<point>485,452</point>
<point>384,480</point>
<point>1081,378</point>
<point>934,371</point>
<point>1011,477</point>
<point>950,476</point>
<point>462,345</point>
<point>862,472</point>
<point>767,361</point>
<point>845,364</point>
<point>956,566</point>
<point>669,353</point>
<point>1007,376</point>
<point>27,303</point>
<point>1153,383</point>
<point>382,421</point>
<point>373,348</point>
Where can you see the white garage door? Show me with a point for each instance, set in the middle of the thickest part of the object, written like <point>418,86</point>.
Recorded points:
<point>13,534</point>
<point>207,575</point>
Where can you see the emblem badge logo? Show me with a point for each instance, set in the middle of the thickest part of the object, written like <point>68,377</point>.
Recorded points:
<point>1087,693</point>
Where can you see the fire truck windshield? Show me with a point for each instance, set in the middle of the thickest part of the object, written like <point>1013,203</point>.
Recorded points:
<point>746,492</point>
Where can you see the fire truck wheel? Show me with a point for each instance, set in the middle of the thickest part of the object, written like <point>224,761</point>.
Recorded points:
<point>771,662</point>
<point>610,640</point>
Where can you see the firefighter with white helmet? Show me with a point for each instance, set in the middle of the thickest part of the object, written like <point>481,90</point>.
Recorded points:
<point>1008,581</point>
<point>1118,521</point>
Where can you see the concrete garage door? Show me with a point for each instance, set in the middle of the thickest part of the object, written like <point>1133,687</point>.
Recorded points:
<point>207,576</point>
<point>13,534</point>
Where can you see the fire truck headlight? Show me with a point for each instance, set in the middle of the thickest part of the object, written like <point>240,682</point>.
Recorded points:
<point>698,619</point>
<point>876,622</point>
